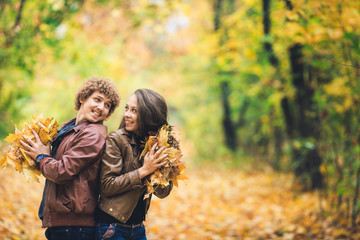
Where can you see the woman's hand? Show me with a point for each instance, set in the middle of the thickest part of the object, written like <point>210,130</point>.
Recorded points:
<point>35,148</point>
<point>152,162</point>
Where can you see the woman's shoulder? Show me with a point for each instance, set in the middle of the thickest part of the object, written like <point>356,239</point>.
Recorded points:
<point>119,138</point>
<point>120,134</point>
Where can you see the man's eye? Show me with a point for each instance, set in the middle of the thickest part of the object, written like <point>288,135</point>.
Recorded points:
<point>108,105</point>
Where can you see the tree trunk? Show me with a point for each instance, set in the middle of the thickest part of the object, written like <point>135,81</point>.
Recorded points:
<point>229,127</point>
<point>307,160</point>
<point>274,61</point>
<point>267,25</point>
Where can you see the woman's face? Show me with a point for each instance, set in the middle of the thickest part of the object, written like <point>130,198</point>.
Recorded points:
<point>130,114</point>
<point>94,109</point>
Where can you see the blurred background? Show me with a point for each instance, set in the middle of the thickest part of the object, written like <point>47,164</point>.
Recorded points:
<point>261,86</point>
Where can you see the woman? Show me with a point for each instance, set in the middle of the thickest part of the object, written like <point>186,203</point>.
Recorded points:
<point>71,169</point>
<point>122,208</point>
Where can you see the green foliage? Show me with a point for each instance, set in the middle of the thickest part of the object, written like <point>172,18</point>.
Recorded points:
<point>26,27</point>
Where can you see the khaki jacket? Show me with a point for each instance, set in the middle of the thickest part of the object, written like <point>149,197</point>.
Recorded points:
<point>120,184</point>
<point>72,190</point>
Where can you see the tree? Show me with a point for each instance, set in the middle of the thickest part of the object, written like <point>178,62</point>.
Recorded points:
<point>24,27</point>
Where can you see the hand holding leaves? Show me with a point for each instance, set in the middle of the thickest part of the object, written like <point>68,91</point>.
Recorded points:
<point>35,148</point>
<point>27,144</point>
<point>169,168</point>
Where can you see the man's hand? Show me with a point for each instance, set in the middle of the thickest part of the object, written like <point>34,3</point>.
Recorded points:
<point>35,148</point>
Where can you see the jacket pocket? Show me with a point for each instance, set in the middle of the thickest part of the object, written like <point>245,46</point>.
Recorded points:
<point>62,204</point>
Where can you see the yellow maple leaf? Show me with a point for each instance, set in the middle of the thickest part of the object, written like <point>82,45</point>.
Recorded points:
<point>11,138</point>
<point>15,155</point>
<point>148,145</point>
<point>26,157</point>
<point>163,136</point>
<point>172,170</point>
<point>3,162</point>
<point>44,135</point>
<point>30,173</point>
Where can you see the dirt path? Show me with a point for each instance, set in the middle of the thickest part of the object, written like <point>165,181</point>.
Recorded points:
<point>212,204</point>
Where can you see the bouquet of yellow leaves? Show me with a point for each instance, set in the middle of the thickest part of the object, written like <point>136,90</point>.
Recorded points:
<point>15,155</point>
<point>173,169</point>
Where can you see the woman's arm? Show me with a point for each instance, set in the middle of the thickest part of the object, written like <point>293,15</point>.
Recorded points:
<point>112,180</point>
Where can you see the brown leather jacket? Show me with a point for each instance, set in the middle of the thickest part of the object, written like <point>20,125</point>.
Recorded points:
<point>120,184</point>
<point>72,189</point>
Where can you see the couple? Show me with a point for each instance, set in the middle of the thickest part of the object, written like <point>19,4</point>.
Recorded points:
<point>94,185</point>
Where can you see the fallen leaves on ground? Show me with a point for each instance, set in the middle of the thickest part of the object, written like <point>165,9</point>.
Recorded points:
<point>211,204</point>
<point>219,204</point>
<point>19,201</point>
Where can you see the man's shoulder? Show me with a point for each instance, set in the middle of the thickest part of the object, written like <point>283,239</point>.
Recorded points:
<point>95,128</point>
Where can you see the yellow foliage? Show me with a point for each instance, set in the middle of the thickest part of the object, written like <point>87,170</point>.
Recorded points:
<point>337,87</point>
<point>15,155</point>
<point>173,170</point>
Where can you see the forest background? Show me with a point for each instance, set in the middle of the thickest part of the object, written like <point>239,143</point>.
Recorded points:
<point>260,90</point>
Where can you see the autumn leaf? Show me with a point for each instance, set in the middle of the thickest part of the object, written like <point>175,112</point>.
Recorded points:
<point>172,171</point>
<point>15,154</point>
<point>3,162</point>
<point>11,138</point>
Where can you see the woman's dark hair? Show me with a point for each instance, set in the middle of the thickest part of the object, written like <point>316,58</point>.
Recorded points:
<point>152,111</point>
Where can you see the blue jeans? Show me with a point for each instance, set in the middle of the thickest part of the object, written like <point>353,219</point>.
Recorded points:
<point>70,233</point>
<point>117,232</point>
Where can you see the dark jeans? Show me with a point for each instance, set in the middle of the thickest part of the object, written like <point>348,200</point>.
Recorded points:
<point>118,232</point>
<point>70,233</point>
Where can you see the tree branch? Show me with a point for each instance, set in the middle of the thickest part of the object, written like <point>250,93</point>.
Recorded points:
<point>289,5</point>
<point>18,17</point>
<point>217,14</point>
<point>2,7</point>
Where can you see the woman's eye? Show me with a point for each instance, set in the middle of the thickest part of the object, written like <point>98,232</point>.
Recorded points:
<point>134,110</point>
<point>107,105</point>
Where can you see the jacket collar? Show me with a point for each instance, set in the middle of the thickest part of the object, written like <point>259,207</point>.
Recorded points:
<point>130,136</point>
<point>80,126</point>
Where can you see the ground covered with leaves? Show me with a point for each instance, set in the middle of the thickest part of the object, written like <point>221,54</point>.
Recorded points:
<point>211,204</point>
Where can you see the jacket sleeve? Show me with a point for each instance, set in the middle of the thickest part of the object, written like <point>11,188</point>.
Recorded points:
<point>163,192</point>
<point>86,148</point>
<point>112,179</point>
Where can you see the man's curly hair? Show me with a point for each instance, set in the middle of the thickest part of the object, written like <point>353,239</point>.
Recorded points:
<point>101,84</point>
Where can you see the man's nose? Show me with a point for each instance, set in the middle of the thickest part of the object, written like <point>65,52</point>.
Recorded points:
<point>101,106</point>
